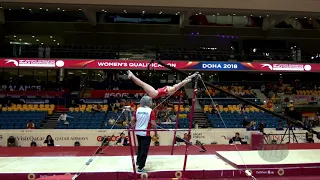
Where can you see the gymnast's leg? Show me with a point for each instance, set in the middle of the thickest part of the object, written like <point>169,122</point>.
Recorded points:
<point>146,87</point>
<point>176,87</point>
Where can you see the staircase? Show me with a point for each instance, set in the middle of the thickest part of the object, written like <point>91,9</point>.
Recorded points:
<point>260,95</point>
<point>52,121</point>
<point>201,119</point>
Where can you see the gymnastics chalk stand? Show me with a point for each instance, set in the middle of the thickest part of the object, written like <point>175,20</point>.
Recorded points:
<point>177,123</point>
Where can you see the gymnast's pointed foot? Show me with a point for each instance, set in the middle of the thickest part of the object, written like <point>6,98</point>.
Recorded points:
<point>193,75</point>
<point>130,74</point>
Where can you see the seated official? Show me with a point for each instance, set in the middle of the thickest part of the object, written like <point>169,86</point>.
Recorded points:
<point>122,141</point>
<point>236,139</point>
<point>49,141</point>
<point>30,125</point>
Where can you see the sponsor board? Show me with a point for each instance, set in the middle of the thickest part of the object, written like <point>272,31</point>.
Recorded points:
<point>94,137</point>
<point>143,64</point>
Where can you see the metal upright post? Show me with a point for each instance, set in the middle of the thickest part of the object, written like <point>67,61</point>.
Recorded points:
<point>177,124</point>
<point>190,124</point>
<point>132,155</point>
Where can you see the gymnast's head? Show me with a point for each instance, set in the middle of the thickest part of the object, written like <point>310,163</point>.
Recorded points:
<point>146,101</point>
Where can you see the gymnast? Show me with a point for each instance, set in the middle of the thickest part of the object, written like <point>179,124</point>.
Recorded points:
<point>167,90</point>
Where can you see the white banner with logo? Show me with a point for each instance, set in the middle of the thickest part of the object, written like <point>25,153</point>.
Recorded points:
<point>94,137</point>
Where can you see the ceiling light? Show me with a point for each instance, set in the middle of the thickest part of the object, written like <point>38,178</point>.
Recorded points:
<point>20,39</point>
<point>244,16</point>
<point>1,7</point>
<point>42,43</point>
<point>30,9</point>
<point>234,14</point>
<point>310,18</point>
<point>251,15</point>
<point>143,12</point>
<point>14,36</point>
<point>267,15</point>
<point>102,10</point>
<point>160,12</point>
<point>9,9</point>
<point>259,16</point>
<point>63,10</point>
<point>213,15</point>
<point>80,9</point>
<point>199,12</point>
<point>218,14</point>
<point>22,7</point>
<point>50,36</point>
<point>37,40</point>
<point>33,36</point>
<point>40,8</point>
<point>177,14</point>
<point>54,40</point>
<point>295,18</point>
<point>124,11</point>
<point>58,9</point>
<point>228,14</point>
<point>47,9</point>
<point>305,17</point>
<point>58,44</point>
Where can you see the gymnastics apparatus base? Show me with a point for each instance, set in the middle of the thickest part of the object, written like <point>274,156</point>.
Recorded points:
<point>219,162</point>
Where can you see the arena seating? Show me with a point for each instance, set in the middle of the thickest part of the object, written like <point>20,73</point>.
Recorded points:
<point>84,118</point>
<point>17,116</point>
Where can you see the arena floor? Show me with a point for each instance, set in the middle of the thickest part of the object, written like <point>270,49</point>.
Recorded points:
<point>219,162</point>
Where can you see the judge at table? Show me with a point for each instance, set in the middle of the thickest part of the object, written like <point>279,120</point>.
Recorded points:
<point>236,139</point>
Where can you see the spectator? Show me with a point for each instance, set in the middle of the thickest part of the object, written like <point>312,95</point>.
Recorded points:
<point>196,125</point>
<point>47,52</point>
<point>245,122</point>
<point>122,141</point>
<point>112,121</point>
<point>102,124</point>
<point>235,139</point>
<point>253,124</point>
<point>30,125</point>
<point>49,141</point>
<point>63,117</point>
<point>96,108</point>
<point>40,51</point>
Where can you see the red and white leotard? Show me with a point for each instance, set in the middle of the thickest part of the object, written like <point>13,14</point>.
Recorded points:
<point>162,92</point>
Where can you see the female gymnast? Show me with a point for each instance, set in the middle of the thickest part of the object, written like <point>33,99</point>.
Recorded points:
<point>167,90</point>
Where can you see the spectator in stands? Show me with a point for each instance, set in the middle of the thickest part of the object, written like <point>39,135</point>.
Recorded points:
<point>112,121</point>
<point>40,51</point>
<point>245,122</point>
<point>47,52</point>
<point>49,141</point>
<point>96,108</point>
<point>30,125</point>
<point>253,124</point>
<point>122,141</point>
<point>235,139</point>
<point>63,117</point>
<point>196,125</point>
<point>132,104</point>
<point>291,106</point>
<point>102,124</point>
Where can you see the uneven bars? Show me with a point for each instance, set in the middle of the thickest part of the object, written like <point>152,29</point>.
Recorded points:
<point>177,124</point>
<point>190,125</point>
<point>132,155</point>
<point>289,120</point>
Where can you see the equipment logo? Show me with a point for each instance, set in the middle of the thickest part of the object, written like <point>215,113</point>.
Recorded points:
<point>287,67</point>
<point>35,63</point>
<point>274,152</point>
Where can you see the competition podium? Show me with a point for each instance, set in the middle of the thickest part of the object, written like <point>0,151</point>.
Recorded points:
<point>257,141</point>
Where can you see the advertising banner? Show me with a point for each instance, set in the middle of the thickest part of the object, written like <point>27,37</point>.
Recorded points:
<point>300,99</point>
<point>94,137</point>
<point>117,93</point>
<point>143,64</point>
